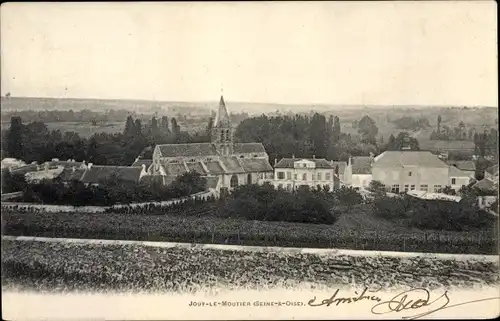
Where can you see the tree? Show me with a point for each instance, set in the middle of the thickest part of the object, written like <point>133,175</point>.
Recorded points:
<point>377,188</point>
<point>138,128</point>
<point>348,196</point>
<point>439,124</point>
<point>129,127</point>
<point>336,129</point>
<point>448,190</point>
<point>14,138</point>
<point>368,129</point>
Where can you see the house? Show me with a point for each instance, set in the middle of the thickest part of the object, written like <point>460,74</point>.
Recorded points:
<point>96,174</point>
<point>458,178</point>
<point>359,171</point>
<point>234,163</point>
<point>402,171</point>
<point>491,172</point>
<point>49,172</point>
<point>291,173</point>
<point>467,166</point>
<point>12,163</point>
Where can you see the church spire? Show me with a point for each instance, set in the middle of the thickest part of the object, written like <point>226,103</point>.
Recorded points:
<point>222,118</point>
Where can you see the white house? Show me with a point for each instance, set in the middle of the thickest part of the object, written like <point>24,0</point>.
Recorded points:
<point>358,173</point>
<point>458,178</point>
<point>291,173</point>
<point>403,171</point>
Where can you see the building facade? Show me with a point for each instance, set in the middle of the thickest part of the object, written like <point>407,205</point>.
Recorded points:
<point>402,171</point>
<point>292,173</point>
<point>234,163</point>
<point>358,173</point>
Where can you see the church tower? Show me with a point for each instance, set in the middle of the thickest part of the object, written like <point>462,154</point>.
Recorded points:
<point>222,131</point>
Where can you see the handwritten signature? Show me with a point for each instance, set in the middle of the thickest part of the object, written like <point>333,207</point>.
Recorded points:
<point>416,300</point>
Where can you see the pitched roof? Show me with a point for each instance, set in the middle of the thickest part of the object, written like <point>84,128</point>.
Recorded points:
<point>455,172</point>
<point>409,158</point>
<point>493,170</point>
<point>231,164</point>
<point>65,164</point>
<point>24,169</point>
<point>175,169</point>
<point>140,162</point>
<point>248,148</point>
<point>361,165</point>
<point>68,174</point>
<point>486,185</point>
<point>214,168</point>
<point>222,118</point>
<point>256,165</point>
<point>187,150</point>
<point>446,145</point>
<point>97,173</point>
<point>196,167</point>
<point>288,162</point>
<point>465,165</point>
<point>212,181</point>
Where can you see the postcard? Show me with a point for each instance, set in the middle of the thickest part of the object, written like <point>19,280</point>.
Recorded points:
<point>249,160</point>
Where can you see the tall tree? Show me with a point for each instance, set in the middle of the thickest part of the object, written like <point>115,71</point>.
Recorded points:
<point>439,124</point>
<point>129,130</point>
<point>15,137</point>
<point>336,129</point>
<point>368,129</point>
<point>164,124</point>
<point>138,127</point>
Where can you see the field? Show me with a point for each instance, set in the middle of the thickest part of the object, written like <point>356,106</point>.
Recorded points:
<point>62,266</point>
<point>356,230</point>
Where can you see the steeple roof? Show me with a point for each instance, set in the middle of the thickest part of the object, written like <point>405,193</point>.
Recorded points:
<point>222,118</point>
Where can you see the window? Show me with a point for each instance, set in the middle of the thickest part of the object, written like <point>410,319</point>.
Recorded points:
<point>208,159</point>
<point>304,165</point>
<point>327,176</point>
<point>453,181</point>
<point>288,186</point>
<point>295,176</point>
<point>423,188</point>
<point>406,188</point>
<point>318,187</point>
<point>288,175</point>
<point>395,189</point>
<point>412,187</point>
<point>319,176</point>
<point>437,188</point>
<point>234,181</point>
<point>249,179</point>
<point>281,175</point>
<point>280,185</point>
<point>304,177</point>
<point>409,174</point>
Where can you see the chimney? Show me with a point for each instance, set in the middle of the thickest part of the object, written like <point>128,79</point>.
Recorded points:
<point>74,169</point>
<point>275,161</point>
<point>144,167</point>
<point>293,156</point>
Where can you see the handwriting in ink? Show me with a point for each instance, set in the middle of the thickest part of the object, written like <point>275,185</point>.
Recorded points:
<point>334,299</point>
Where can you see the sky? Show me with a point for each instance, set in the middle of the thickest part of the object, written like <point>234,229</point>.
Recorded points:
<point>373,53</point>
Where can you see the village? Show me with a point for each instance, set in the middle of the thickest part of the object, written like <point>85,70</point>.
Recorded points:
<point>226,165</point>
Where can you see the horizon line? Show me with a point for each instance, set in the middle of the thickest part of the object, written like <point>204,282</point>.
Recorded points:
<point>254,102</point>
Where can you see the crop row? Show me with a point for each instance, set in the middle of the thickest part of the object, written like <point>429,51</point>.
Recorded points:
<point>206,229</point>
<point>53,266</point>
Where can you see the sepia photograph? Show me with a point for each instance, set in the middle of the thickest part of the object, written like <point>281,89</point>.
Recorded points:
<point>249,160</point>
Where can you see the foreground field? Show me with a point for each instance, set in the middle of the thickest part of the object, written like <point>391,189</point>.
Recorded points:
<point>62,267</point>
<point>199,226</point>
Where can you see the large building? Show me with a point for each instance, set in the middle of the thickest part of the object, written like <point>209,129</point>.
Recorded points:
<point>233,163</point>
<point>401,171</point>
<point>291,173</point>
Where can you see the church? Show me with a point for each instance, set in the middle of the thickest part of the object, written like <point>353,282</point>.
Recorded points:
<point>222,160</point>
